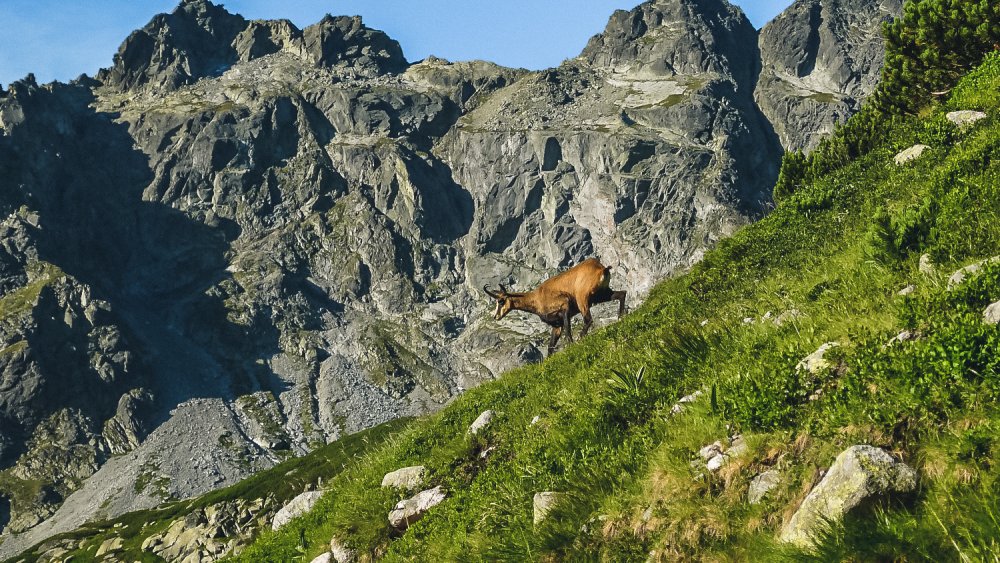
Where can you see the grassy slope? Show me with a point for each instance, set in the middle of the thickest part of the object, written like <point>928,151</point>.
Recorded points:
<point>284,481</point>
<point>837,251</point>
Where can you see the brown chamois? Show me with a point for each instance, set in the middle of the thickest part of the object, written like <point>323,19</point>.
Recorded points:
<point>558,299</point>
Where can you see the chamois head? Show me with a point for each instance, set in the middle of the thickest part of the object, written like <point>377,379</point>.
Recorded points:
<point>504,302</point>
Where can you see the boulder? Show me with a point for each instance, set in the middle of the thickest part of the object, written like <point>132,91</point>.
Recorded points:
<point>323,558</point>
<point>817,362</point>
<point>406,512</point>
<point>341,553</point>
<point>763,484</point>
<point>407,478</point>
<point>991,315</point>
<point>481,422</point>
<point>543,503</point>
<point>297,507</point>
<point>858,473</point>
<point>965,118</point>
<point>110,546</point>
<point>910,154</point>
<point>959,276</point>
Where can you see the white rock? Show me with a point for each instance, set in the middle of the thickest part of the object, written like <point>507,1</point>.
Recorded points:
<point>716,462</point>
<point>323,558</point>
<point>406,512</point>
<point>816,362</point>
<point>341,553</point>
<point>910,154</point>
<point>991,315</point>
<point>971,270</point>
<point>535,419</point>
<point>297,507</point>
<point>543,503</point>
<point>679,406</point>
<point>710,451</point>
<point>965,118</point>
<point>407,478</point>
<point>858,473</point>
<point>738,448</point>
<point>903,336</point>
<point>481,422</point>
<point>763,484</point>
<point>908,290</point>
<point>110,546</point>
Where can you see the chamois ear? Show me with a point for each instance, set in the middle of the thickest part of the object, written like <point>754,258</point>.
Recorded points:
<point>503,290</point>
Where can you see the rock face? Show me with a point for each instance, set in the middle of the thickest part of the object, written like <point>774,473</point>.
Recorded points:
<point>212,533</point>
<point>822,59</point>
<point>858,473</point>
<point>245,239</point>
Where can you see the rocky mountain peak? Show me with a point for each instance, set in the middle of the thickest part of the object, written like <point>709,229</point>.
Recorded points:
<point>670,37</point>
<point>821,59</point>
<point>346,41</point>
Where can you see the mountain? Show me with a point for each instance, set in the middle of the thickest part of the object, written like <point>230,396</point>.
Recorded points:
<point>821,386</point>
<point>821,61</point>
<point>244,240</point>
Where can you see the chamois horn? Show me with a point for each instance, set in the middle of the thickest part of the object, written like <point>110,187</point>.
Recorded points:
<point>492,294</point>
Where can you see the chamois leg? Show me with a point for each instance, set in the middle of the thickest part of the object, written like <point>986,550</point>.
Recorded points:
<point>567,317</point>
<point>588,320</point>
<point>556,333</point>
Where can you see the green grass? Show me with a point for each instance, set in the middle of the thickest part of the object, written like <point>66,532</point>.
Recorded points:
<point>837,251</point>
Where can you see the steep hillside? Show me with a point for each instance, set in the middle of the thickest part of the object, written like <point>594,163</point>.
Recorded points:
<point>247,232</point>
<point>245,240</point>
<point>843,349</point>
<point>911,369</point>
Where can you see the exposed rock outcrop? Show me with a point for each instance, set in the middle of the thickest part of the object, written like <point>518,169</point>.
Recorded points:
<point>821,60</point>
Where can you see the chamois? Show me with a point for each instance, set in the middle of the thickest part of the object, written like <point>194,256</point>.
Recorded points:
<point>558,299</point>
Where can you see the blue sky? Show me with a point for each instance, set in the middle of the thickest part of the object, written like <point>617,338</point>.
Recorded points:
<point>60,39</point>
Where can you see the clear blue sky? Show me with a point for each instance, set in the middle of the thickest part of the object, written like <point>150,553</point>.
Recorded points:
<point>60,39</point>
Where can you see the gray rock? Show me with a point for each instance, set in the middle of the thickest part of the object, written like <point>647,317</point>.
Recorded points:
<point>341,553</point>
<point>817,362</point>
<point>295,508</point>
<point>962,274</point>
<point>543,503</point>
<point>482,422</point>
<point>679,406</point>
<point>991,315</point>
<point>112,545</point>
<point>965,118</point>
<point>762,485</point>
<point>910,154</point>
<point>407,478</point>
<point>409,511</point>
<point>821,61</point>
<point>858,473</point>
